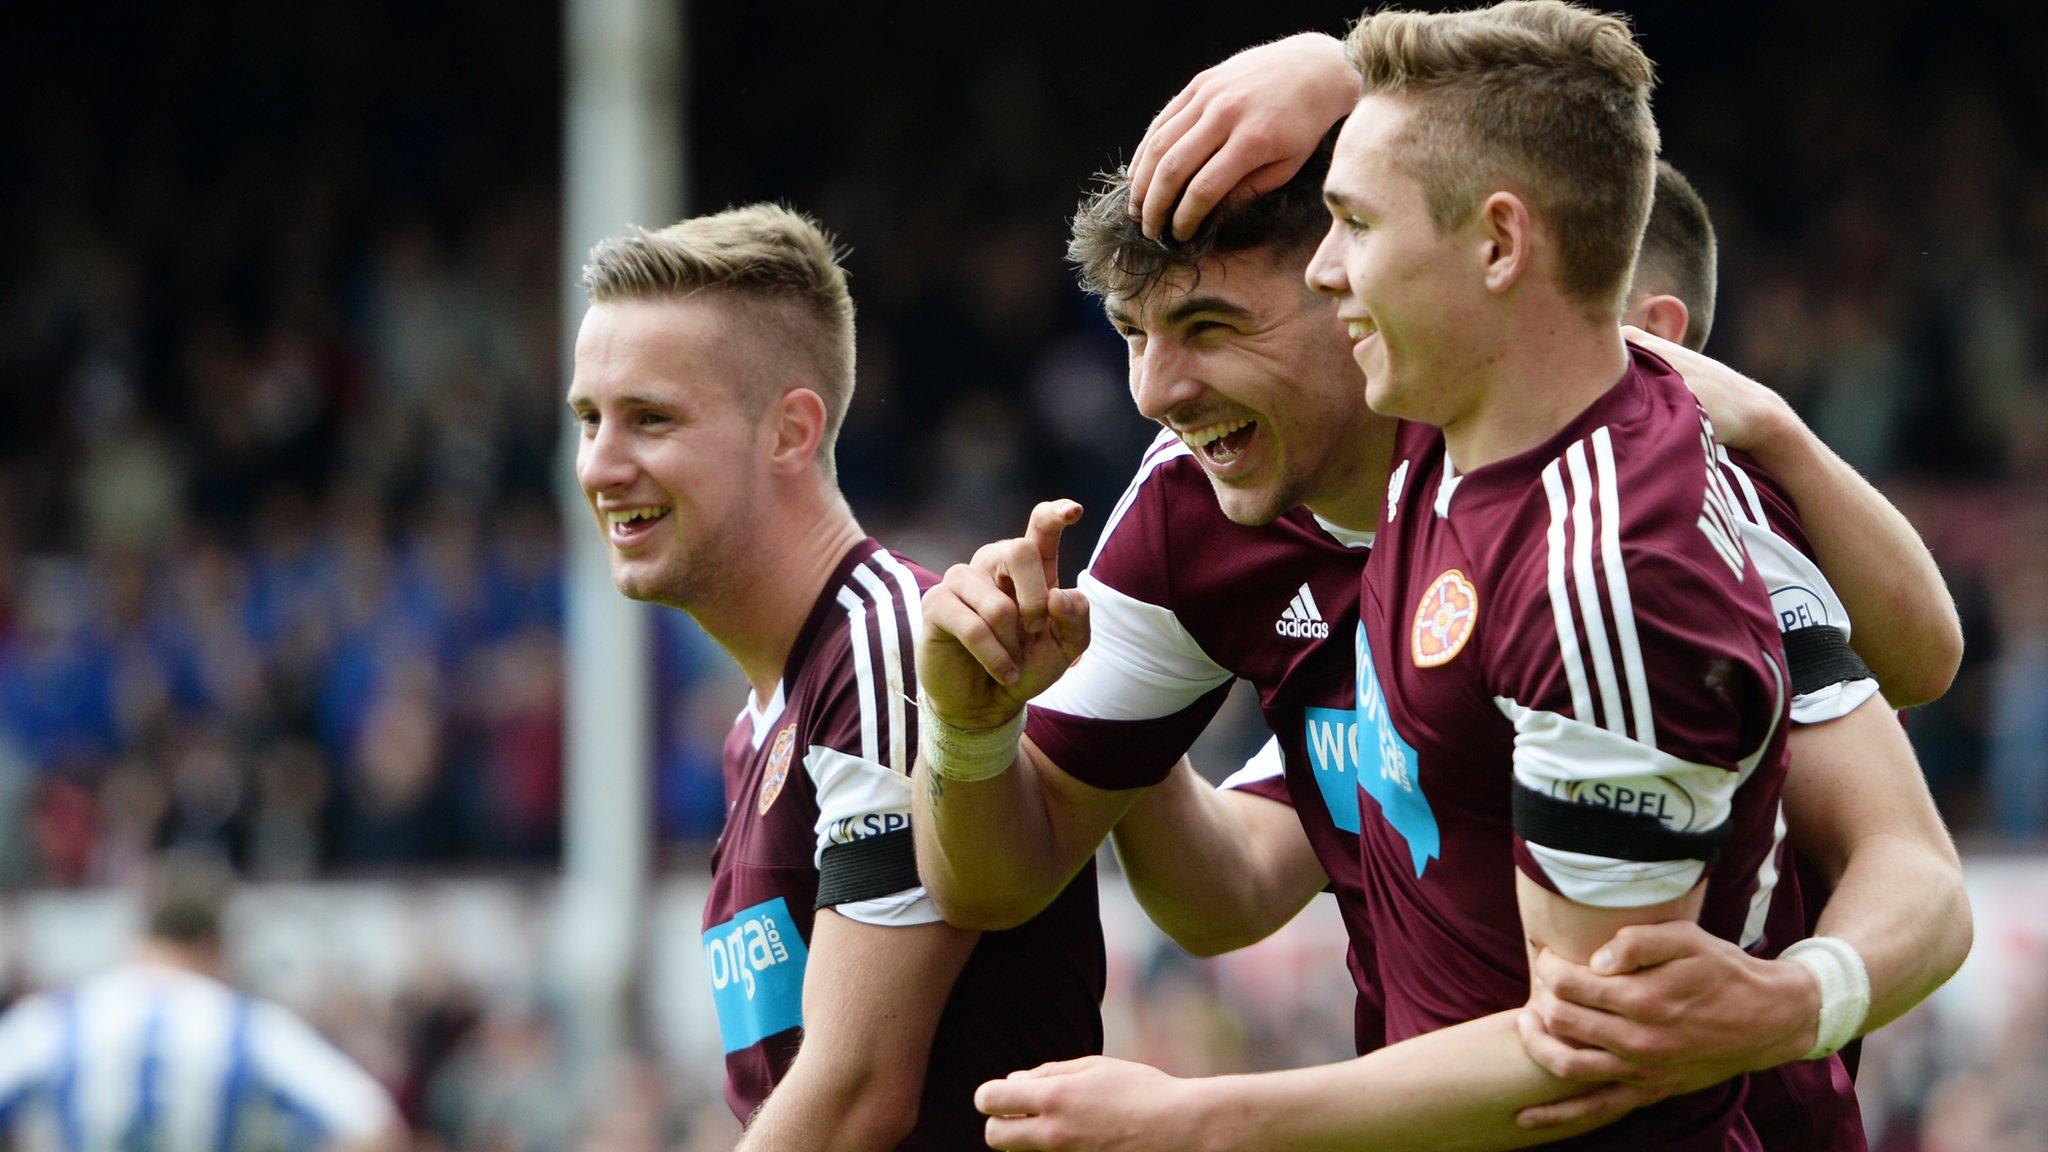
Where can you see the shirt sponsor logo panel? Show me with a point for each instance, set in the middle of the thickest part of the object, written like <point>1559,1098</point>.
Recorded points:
<point>1387,768</point>
<point>1332,738</point>
<point>756,964</point>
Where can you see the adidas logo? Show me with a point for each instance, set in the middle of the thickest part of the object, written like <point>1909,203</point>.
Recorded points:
<point>1302,620</point>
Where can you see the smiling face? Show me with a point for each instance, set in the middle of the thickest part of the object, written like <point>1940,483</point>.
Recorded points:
<point>1253,373</point>
<point>1412,297</point>
<point>671,456</point>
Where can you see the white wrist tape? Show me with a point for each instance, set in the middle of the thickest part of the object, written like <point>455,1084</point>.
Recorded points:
<point>1844,990</point>
<point>965,754</point>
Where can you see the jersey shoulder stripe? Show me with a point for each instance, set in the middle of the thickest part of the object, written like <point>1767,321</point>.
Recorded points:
<point>1164,449</point>
<point>1751,506</point>
<point>883,608</point>
<point>1602,666</point>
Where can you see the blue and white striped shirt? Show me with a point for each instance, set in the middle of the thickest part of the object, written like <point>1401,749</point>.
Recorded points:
<point>155,1059</point>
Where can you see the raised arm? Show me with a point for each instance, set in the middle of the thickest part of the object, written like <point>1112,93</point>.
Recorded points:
<point>1000,830</point>
<point>871,1003</point>
<point>1907,629</point>
<point>1216,868</point>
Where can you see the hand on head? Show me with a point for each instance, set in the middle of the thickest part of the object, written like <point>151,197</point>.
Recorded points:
<point>1239,130</point>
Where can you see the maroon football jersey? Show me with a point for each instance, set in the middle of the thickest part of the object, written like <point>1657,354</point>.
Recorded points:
<point>817,784</point>
<point>1182,601</point>
<point>1567,665</point>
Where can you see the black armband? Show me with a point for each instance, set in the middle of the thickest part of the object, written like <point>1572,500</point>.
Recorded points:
<point>1598,831</point>
<point>1819,656</point>
<point>868,868</point>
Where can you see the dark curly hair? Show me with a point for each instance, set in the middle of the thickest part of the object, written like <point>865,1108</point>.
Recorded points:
<point>1116,260</point>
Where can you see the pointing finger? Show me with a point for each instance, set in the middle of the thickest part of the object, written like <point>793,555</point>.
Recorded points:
<point>1048,519</point>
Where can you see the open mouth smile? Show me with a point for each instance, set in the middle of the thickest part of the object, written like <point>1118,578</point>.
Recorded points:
<point>626,526</point>
<point>1221,443</point>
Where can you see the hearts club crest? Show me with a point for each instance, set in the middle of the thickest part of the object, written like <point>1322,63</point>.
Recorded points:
<point>778,768</point>
<point>1444,619</point>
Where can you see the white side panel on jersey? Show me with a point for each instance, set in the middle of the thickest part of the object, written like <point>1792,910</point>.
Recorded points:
<point>1141,663</point>
<point>1266,764</point>
<point>1801,597</point>
<point>857,799</point>
<point>1587,764</point>
<point>1766,886</point>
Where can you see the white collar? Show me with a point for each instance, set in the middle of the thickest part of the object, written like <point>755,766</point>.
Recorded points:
<point>1348,537</point>
<point>764,718</point>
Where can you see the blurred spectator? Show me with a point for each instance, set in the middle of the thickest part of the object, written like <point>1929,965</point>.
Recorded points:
<point>507,1087</point>
<point>158,1053</point>
<point>2018,704</point>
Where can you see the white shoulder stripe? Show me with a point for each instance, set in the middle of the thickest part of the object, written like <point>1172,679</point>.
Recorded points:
<point>863,669</point>
<point>1617,587</point>
<point>906,581</point>
<point>897,610</point>
<point>893,664</point>
<point>1602,667</point>
<point>1560,603</point>
<point>1165,447</point>
<point>913,619</point>
<point>1590,614</point>
<point>1752,505</point>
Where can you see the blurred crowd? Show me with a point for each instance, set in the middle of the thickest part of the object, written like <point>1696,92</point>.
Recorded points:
<point>281,356</point>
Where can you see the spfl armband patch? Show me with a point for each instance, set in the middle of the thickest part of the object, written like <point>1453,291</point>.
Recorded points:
<point>1607,832</point>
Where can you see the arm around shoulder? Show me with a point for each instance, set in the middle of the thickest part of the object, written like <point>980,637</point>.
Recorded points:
<point>1907,630</point>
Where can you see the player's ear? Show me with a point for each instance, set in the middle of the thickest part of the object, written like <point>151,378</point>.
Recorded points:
<point>1504,230</point>
<point>797,426</point>
<point>1660,315</point>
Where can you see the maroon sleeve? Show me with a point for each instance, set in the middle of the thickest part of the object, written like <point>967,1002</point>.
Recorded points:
<point>1640,666</point>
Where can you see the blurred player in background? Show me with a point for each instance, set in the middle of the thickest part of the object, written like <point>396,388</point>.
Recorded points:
<point>1207,316</point>
<point>713,371</point>
<point>161,1055</point>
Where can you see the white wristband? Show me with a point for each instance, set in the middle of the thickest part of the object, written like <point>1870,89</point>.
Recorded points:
<point>1844,990</point>
<point>962,753</point>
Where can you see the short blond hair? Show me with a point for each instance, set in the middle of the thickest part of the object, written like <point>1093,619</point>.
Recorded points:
<point>758,254</point>
<point>1545,98</point>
